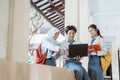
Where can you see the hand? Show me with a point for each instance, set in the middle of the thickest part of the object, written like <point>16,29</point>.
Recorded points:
<point>77,57</point>
<point>66,57</point>
<point>66,50</point>
<point>57,54</point>
<point>92,50</point>
<point>63,48</point>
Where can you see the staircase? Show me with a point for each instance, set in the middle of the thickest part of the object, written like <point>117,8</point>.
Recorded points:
<point>107,78</point>
<point>52,11</point>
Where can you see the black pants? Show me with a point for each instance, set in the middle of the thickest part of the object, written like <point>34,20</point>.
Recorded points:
<point>50,61</point>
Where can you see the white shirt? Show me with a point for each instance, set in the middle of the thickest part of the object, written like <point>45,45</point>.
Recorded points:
<point>52,48</point>
<point>66,44</point>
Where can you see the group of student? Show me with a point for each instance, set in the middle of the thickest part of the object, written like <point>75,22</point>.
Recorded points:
<point>57,50</point>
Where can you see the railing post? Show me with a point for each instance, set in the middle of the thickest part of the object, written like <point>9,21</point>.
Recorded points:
<point>119,61</point>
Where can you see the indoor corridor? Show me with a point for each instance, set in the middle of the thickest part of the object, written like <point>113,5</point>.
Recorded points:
<point>24,23</point>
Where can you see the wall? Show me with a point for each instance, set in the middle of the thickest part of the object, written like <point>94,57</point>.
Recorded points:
<point>77,13</point>
<point>106,14</point>
<point>71,13</point>
<point>4,11</point>
<point>84,20</point>
<point>18,30</point>
<point>115,66</point>
<point>14,29</point>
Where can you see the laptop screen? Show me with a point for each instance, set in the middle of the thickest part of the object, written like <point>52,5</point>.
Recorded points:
<point>78,50</point>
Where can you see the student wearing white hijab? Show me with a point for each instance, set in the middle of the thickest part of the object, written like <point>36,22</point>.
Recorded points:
<point>51,45</point>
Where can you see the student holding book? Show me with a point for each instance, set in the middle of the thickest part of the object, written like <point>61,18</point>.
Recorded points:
<point>96,49</point>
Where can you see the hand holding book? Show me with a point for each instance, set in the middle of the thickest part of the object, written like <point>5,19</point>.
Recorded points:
<point>93,48</point>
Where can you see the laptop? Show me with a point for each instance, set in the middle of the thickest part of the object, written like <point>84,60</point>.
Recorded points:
<point>78,50</point>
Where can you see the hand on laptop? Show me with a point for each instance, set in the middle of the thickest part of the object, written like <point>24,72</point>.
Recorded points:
<point>66,57</point>
<point>77,57</point>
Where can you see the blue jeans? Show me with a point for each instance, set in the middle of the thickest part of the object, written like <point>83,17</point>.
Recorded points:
<point>94,68</point>
<point>80,73</point>
<point>50,61</point>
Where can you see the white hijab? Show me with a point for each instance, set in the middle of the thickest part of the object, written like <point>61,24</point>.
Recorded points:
<point>50,35</point>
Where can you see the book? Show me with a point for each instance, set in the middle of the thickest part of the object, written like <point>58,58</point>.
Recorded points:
<point>95,46</point>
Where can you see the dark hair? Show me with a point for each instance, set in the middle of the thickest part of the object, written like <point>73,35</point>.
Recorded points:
<point>70,27</point>
<point>95,27</point>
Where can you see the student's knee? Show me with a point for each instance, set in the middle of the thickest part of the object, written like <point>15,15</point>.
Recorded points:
<point>72,66</point>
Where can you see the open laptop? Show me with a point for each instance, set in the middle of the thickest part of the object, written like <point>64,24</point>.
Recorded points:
<point>78,50</point>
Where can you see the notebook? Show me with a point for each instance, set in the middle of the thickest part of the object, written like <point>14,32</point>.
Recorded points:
<point>78,50</point>
<point>95,46</point>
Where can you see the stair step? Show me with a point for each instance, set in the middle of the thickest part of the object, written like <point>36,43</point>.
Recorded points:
<point>107,77</point>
